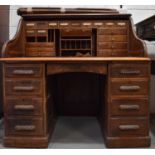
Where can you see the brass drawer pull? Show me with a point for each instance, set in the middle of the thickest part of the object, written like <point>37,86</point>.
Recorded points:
<point>24,107</point>
<point>41,31</point>
<point>129,107</point>
<point>23,88</point>
<point>30,32</point>
<point>64,24</point>
<point>129,88</point>
<point>109,24</point>
<point>121,24</point>
<point>130,72</point>
<point>30,24</point>
<point>86,24</point>
<point>52,24</point>
<point>129,127</point>
<point>25,72</point>
<point>98,24</point>
<point>25,127</point>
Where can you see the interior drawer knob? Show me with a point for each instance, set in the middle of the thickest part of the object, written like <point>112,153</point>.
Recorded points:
<point>130,72</point>
<point>23,72</point>
<point>129,127</point>
<point>24,127</point>
<point>129,88</point>
<point>23,88</point>
<point>129,107</point>
<point>24,107</point>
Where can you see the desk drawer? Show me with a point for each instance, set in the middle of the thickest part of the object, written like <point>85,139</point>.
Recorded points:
<point>129,69</point>
<point>24,106</point>
<point>23,70</point>
<point>24,127</point>
<point>129,87</point>
<point>129,107</point>
<point>113,31</point>
<point>117,38</point>
<point>23,87</point>
<point>128,127</point>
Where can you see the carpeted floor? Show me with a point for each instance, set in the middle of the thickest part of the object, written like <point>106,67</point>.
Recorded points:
<point>79,133</point>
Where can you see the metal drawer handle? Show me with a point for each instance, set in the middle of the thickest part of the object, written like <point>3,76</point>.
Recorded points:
<point>98,24</point>
<point>129,88</point>
<point>86,24</point>
<point>109,24</point>
<point>64,24</point>
<point>25,72</point>
<point>129,107</point>
<point>121,24</point>
<point>30,31</point>
<point>41,31</point>
<point>52,24</point>
<point>25,127</point>
<point>30,24</point>
<point>129,127</point>
<point>24,107</point>
<point>123,71</point>
<point>23,88</point>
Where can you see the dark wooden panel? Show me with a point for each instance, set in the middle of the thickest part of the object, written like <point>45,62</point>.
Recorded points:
<point>78,93</point>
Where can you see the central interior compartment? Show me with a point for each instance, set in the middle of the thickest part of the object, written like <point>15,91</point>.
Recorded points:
<point>77,94</point>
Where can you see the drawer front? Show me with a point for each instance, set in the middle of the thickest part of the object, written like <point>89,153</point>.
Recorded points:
<point>129,87</point>
<point>23,70</point>
<point>118,38</point>
<point>42,25</point>
<point>23,87</point>
<point>30,25</point>
<point>34,52</point>
<point>120,52</point>
<point>129,70</point>
<point>129,107</point>
<point>113,31</point>
<point>24,106</point>
<point>112,45</point>
<point>129,127</point>
<point>104,45</point>
<point>105,53</point>
<point>24,127</point>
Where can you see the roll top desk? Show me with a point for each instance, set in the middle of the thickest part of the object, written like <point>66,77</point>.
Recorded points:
<point>78,62</point>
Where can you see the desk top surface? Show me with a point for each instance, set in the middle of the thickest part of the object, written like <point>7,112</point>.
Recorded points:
<point>73,59</point>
